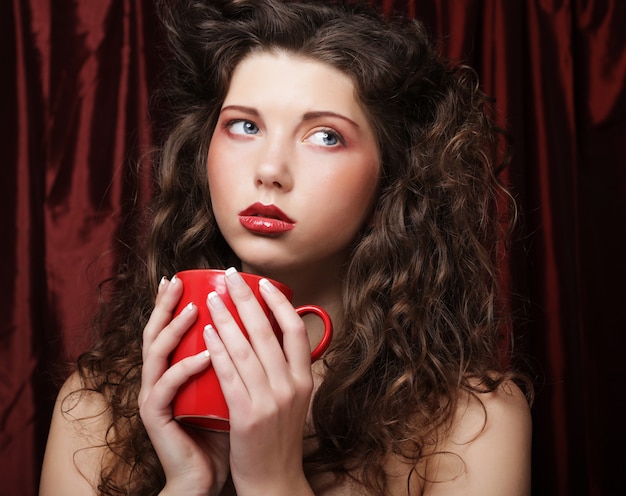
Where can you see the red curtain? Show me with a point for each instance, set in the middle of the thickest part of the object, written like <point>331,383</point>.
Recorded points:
<point>75,81</point>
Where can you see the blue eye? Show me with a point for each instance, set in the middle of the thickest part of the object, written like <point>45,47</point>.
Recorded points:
<point>326,138</point>
<point>243,127</point>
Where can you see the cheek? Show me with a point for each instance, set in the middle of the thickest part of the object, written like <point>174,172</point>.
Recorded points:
<point>361,185</point>
<point>217,187</point>
<point>349,197</point>
<point>216,167</point>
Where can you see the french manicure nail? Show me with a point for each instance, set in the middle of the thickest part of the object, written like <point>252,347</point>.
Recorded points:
<point>233,275</point>
<point>209,332</point>
<point>268,286</point>
<point>203,355</point>
<point>215,301</point>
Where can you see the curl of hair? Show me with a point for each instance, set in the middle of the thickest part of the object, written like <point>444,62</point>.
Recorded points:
<point>421,296</point>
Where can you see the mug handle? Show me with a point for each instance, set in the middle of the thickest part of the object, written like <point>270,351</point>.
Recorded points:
<point>328,328</point>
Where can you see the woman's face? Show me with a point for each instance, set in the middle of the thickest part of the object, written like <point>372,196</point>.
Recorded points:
<point>293,166</point>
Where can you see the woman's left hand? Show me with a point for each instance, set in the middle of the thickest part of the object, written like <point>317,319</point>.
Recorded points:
<point>267,387</point>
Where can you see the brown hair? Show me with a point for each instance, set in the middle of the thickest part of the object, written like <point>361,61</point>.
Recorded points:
<point>421,296</point>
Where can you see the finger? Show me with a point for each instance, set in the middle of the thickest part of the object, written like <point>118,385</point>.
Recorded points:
<point>261,334</point>
<point>173,378</point>
<point>296,346</point>
<point>148,334</point>
<point>156,356</point>
<point>235,391</point>
<point>167,298</point>
<point>242,359</point>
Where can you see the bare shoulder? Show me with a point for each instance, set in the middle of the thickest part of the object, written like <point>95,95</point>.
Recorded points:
<point>487,450</point>
<point>76,440</point>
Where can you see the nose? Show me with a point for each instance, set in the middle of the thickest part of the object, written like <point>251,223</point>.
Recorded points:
<point>273,169</point>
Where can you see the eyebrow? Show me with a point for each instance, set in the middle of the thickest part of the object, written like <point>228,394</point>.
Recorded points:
<point>241,108</point>
<point>315,115</point>
<point>308,116</point>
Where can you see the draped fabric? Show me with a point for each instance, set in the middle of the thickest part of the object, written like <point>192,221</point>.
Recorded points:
<point>75,136</point>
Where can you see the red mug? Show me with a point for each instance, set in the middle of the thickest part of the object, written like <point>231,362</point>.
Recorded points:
<point>200,402</point>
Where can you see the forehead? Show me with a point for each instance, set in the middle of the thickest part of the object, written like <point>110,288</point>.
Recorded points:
<point>272,77</point>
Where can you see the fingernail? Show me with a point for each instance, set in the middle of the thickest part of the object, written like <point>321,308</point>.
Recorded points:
<point>203,355</point>
<point>215,301</point>
<point>209,333</point>
<point>268,286</point>
<point>188,308</point>
<point>233,275</point>
<point>162,283</point>
<point>174,280</point>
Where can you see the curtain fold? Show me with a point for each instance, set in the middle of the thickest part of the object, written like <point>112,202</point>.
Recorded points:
<point>20,225</point>
<point>551,205</point>
<point>96,130</point>
<point>599,43</point>
<point>75,84</point>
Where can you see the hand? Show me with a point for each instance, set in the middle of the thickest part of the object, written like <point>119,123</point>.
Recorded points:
<point>267,388</point>
<point>195,462</point>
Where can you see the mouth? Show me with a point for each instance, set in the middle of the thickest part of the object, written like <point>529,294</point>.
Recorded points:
<point>265,219</point>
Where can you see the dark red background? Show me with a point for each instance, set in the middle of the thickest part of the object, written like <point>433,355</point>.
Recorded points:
<point>75,80</point>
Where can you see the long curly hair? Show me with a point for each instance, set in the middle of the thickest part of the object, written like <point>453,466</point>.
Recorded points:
<point>423,312</point>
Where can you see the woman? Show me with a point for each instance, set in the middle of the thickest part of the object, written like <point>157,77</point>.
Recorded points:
<point>383,160</point>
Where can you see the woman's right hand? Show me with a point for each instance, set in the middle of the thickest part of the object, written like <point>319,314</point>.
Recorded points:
<point>195,462</point>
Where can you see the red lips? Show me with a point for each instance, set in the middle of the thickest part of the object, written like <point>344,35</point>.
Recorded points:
<point>265,219</point>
